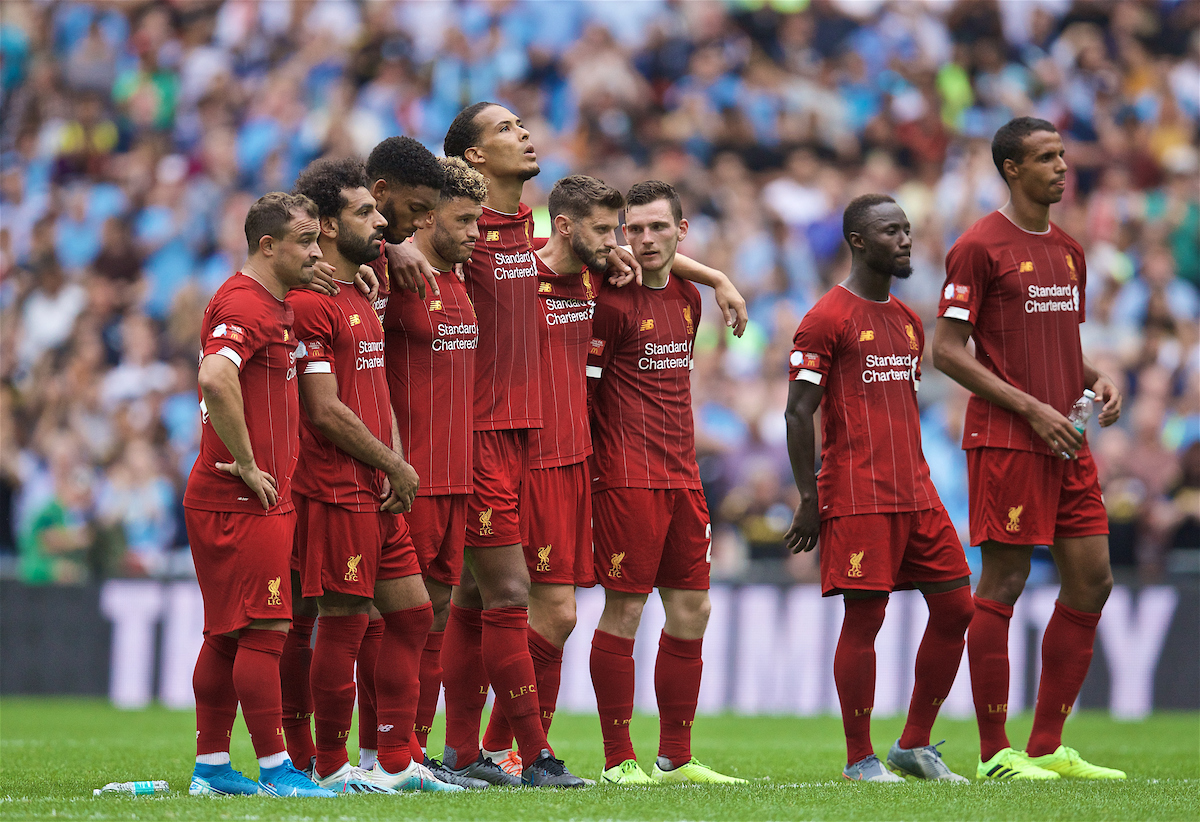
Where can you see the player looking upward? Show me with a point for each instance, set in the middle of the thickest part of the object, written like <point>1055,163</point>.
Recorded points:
<point>238,503</point>
<point>882,527</point>
<point>1015,284</point>
<point>353,550</point>
<point>650,518</point>
<point>429,345</point>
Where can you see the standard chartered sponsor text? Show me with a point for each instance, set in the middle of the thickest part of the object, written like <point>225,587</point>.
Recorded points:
<point>652,350</point>
<point>467,335</point>
<point>889,367</point>
<point>1036,304</point>
<point>523,259</point>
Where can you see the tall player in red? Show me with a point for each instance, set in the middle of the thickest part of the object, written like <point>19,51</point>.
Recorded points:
<point>238,503</point>
<point>584,215</point>
<point>857,355</point>
<point>649,514</point>
<point>1015,283</point>
<point>429,345</point>
<point>353,550</point>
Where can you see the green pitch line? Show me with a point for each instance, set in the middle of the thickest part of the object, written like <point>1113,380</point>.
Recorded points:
<point>53,752</point>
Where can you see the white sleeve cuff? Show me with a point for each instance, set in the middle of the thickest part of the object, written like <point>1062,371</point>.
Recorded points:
<point>231,355</point>
<point>318,368</point>
<point>810,376</point>
<point>594,372</point>
<point>956,312</point>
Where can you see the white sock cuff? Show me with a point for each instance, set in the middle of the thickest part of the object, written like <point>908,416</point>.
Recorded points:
<point>220,758</point>
<point>274,760</point>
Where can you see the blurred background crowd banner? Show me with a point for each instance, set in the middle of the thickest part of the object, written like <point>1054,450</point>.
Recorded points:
<point>768,648</point>
<point>136,134</point>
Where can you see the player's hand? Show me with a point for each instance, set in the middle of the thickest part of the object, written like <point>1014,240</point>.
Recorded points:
<point>460,272</point>
<point>400,489</point>
<point>323,281</point>
<point>806,526</point>
<point>409,269</point>
<point>257,480</point>
<point>733,306</point>
<point>1056,430</point>
<point>623,269</point>
<point>1110,412</point>
<point>367,282</point>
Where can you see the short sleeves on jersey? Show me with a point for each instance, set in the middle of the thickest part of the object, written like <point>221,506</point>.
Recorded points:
<point>501,280</point>
<point>1024,294</point>
<point>867,356</point>
<point>341,335</point>
<point>567,305</point>
<point>246,324</point>
<point>639,369</point>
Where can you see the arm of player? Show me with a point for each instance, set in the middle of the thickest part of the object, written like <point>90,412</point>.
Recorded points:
<point>732,304</point>
<point>394,496</point>
<point>951,357</point>
<point>1106,390</point>
<point>367,282</point>
<point>804,398</point>
<point>340,426</point>
<point>409,269</point>
<point>222,392</point>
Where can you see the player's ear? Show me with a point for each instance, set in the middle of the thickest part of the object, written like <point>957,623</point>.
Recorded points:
<point>266,245</point>
<point>379,190</point>
<point>857,243</point>
<point>474,155</point>
<point>329,227</point>
<point>683,226</point>
<point>563,225</point>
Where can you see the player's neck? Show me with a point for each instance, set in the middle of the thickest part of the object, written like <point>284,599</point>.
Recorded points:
<point>343,269</point>
<point>1027,214</point>
<point>559,258</point>
<point>423,244</point>
<point>869,285</point>
<point>657,278</point>
<point>504,194</point>
<point>260,271</point>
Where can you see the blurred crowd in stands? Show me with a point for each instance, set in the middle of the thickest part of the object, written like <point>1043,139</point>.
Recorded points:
<point>136,134</point>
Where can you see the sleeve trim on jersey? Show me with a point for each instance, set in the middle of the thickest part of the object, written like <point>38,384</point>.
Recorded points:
<point>815,377</point>
<point>957,312</point>
<point>230,355</point>
<point>594,372</point>
<point>318,368</point>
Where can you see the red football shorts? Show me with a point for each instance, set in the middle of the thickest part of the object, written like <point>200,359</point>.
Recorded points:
<point>647,538</point>
<point>1023,498</point>
<point>501,460</point>
<point>437,528</point>
<point>889,552</point>
<point>557,526</point>
<point>347,551</point>
<point>242,566</point>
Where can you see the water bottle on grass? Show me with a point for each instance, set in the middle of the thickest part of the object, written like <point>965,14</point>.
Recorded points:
<point>1079,415</point>
<point>133,788</point>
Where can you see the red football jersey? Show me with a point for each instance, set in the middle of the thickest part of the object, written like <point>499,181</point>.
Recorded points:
<point>247,324</point>
<point>567,303</point>
<point>502,283</point>
<point>341,335</point>
<point>431,350</point>
<point>1024,294</point>
<point>867,356</point>
<point>639,369</point>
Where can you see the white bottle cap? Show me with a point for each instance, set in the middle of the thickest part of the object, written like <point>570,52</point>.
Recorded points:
<point>1089,393</point>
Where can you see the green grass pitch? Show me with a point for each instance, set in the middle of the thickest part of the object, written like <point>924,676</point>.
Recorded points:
<point>53,752</point>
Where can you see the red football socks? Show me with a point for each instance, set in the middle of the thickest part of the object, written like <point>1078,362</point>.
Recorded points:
<point>938,658</point>
<point>510,668</point>
<point>256,682</point>
<point>547,669</point>
<point>677,686</point>
<point>1066,654</point>
<point>854,672</point>
<point>294,667</point>
<point>613,681</point>
<point>332,680</point>
<point>987,658</point>
<point>431,685</point>
<point>368,657</point>
<point>216,701</point>
<point>398,683</point>
<point>466,684</point>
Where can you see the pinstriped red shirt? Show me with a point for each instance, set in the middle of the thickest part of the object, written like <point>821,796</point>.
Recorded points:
<point>867,355</point>
<point>1024,294</point>
<point>501,280</point>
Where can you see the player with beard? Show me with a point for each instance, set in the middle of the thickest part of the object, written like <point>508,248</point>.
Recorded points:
<point>882,527</point>
<point>238,503</point>
<point>354,552</point>
<point>1015,283</point>
<point>429,344</point>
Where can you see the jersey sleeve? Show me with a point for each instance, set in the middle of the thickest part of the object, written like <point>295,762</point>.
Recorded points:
<point>1081,266</point>
<point>812,348</point>
<point>313,328</point>
<point>608,325</point>
<point>968,268</point>
<point>235,332</point>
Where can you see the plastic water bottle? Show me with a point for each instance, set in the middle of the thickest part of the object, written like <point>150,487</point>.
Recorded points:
<point>1079,415</point>
<point>134,788</point>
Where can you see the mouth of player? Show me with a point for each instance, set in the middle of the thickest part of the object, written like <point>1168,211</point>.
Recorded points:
<point>531,153</point>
